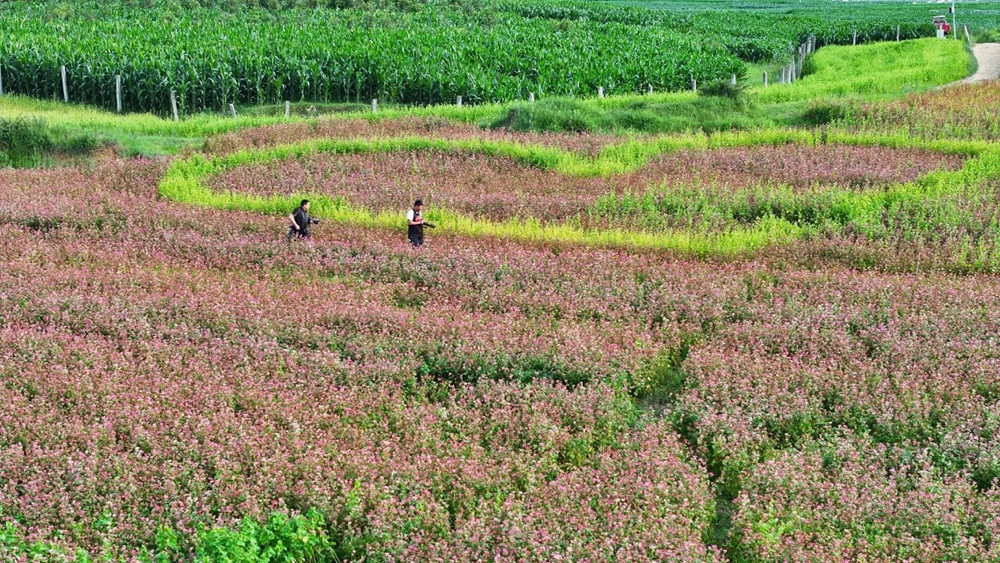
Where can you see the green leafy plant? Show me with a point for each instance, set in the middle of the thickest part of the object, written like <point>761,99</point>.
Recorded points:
<point>23,142</point>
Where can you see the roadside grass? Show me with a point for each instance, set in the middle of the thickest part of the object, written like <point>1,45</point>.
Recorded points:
<point>675,113</point>
<point>134,134</point>
<point>987,36</point>
<point>875,70</point>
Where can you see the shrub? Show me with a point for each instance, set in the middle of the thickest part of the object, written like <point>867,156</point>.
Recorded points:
<point>823,112</point>
<point>281,539</point>
<point>23,142</point>
<point>78,144</point>
<point>723,89</point>
<point>558,115</point>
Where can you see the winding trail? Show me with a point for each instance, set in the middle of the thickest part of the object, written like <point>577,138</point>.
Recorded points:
<point>988,56</point>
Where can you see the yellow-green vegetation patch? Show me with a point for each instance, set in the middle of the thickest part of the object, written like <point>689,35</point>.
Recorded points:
<point>874,70</point>
<point>185,182</point>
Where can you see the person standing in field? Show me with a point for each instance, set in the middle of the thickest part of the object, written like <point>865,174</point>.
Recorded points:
<point>300,222</point>
<point>415,224</point>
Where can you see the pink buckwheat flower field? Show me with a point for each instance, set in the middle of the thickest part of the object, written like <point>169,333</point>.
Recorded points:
<point>778,345</point>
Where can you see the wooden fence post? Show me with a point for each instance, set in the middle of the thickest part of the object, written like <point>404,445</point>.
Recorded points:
<point>694,85</point>
<point>232,110</point>
<point>458,101</point>
<point>374,105</point>
<point>173,105</point>
<point>62,71</point>
<point>897,33</point>
<point>288,109</point>
<point>118,92</point>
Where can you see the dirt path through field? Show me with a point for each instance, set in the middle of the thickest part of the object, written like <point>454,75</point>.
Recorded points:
<point>988,55</point>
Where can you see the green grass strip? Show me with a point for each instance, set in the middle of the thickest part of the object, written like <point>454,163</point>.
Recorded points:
<point>633,155</point>
<point>874,70</point>
<point>615,159</point>
<point>184,182</point>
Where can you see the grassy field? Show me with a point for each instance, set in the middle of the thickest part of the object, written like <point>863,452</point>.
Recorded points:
<point>865,73</point>
<point>420,53</point>
<point>740,325</point>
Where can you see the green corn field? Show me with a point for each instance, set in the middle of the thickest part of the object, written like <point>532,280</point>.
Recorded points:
<point>212,58</point>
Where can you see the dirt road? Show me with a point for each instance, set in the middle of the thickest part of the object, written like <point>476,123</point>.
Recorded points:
<point>988,55</point>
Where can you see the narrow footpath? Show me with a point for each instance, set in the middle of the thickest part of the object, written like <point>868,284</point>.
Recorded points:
<point>988,56</point>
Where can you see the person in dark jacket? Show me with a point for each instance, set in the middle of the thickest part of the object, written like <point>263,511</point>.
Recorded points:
<point>301,221</point>
<point>415,224</point>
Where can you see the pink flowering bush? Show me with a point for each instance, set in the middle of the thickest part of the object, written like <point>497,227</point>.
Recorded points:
<point>180,384</point>
<point>799,166</point>
<point>850,501</point>
<point>705,184</point>
<point>963,112</point>
<point>649,506</point>
<point>264,137</point>
<point>183,370</point>
<point>893,358</point>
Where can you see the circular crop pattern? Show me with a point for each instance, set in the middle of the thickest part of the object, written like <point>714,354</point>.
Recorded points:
<point>740,195</point>
<point>499,188</point>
